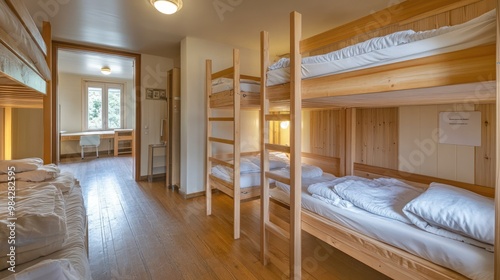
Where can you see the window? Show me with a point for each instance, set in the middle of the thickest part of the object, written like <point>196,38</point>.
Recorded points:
<point>103,106</point>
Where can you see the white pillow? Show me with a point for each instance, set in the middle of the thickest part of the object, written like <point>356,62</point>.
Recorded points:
<point>453,212</point>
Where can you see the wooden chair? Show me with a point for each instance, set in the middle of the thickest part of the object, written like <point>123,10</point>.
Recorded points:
<point>90,141</point>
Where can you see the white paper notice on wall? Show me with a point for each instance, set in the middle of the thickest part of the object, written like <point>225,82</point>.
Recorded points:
<point>460,128</point>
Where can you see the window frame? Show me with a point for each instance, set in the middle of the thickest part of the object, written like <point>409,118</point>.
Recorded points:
<point>105,86</point>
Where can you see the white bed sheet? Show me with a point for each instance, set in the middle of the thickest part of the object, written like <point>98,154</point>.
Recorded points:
<point>471,261</point>
<point>74,248</point>
<point>479,31</point>
<point>246,87</point>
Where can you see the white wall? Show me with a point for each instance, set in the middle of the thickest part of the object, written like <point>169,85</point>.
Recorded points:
<point>419,148</point>
<point>70,97</point>
<point>194,52</point>
<point>153,75</point>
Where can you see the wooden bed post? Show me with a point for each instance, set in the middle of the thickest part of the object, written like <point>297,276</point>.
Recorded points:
<point>237,142</point>
<point>264,139</point>
<point>497,183</point>
<point>208,163</point>
<point>295,146</point>
<point>350,141</point>
<point>48,110</point>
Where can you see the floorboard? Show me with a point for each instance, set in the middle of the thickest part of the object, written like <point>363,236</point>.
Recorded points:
<point>143,230</point>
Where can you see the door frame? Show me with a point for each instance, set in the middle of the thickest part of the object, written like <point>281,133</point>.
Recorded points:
<point>56,46</point>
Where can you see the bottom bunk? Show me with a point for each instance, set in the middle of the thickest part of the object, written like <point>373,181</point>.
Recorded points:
<point>51,223</point>
<point>397,248</point>
<point>221,177</point>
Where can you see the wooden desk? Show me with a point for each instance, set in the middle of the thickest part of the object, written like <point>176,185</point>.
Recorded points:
<point>116,136</point>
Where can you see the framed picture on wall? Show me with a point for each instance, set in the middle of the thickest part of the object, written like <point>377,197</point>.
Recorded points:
<point>149,93</point>
<point>156,94</point>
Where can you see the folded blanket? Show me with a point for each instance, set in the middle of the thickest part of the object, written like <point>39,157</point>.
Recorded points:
<point>42,173</point>
<point>20,165</point>
<point>325,191</point>
<point>40,225</point>
<point>383,197</point>
<point>307,171</point>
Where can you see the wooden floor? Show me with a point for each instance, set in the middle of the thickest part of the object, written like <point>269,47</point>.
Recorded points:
<point>146,231</point>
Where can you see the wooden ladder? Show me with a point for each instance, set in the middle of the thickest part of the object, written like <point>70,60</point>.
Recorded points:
<point>235,193</point>
<point>293,235</point>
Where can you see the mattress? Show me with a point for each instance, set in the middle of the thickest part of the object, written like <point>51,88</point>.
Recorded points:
<point>397,47</point>
<point>224,84</point>
<point>471,261</point>
<point>71,260</point>
<point>250,169</point>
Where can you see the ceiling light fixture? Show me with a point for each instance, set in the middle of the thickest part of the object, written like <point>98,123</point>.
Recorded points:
<point>106,70</point>
<point>167,6</point>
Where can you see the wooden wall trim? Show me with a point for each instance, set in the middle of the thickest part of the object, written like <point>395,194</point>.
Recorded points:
<point>49,128</point>
<point>497,175</point>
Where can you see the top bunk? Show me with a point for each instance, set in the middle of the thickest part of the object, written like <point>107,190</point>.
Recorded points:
<point>24,57</point>
<point>413,53</point>
<point>220,86</point>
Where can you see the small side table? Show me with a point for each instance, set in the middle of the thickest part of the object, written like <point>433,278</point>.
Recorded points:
<point>152,148</point>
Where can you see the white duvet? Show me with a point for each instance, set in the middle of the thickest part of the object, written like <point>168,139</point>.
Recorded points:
<point>383,197</point>
<point>40,223</point>
<point>400,46</point>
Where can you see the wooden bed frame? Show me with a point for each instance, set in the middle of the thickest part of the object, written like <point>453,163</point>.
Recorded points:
<point>234,99</point>
<point>25,60</point>
<point>439,79</point>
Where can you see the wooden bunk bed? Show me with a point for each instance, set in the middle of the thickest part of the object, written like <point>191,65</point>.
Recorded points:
<point>429,79</point>
<point>25,82</point>
<point>25,65</point>
<point>235,99</point>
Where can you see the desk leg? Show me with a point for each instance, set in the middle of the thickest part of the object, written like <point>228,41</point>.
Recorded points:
<point>150,164</point>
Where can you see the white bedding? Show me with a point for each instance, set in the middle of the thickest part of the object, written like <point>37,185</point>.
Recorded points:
<point>40,225</point>
<point>73,249</point>
<point>454,213</point>
<point>223,84</point>
<point>250,169</point>
<point>383,197</point>
<point>471,261</point>
<point>404,46</point>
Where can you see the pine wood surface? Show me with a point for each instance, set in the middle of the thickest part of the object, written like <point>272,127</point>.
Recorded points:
<point>147,231</point>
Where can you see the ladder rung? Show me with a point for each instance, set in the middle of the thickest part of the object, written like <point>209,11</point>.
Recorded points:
<point>221,162</point>
<point>281,233</point>
<point>220,140</point>
<point>221,119</point>
<point>278,148</point>
<point>278,178</point>
<point>278,117</point>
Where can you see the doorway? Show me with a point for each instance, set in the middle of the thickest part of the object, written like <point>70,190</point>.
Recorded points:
<point>76,69</point>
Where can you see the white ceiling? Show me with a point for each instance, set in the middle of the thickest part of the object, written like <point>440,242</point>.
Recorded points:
<point>90,64</point>
<point>135,26</point>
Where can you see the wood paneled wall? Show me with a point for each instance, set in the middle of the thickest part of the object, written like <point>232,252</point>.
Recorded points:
<point>377,137</point>
<point>485,155</point>
<point>378,141</point>
<point>327,132</point>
